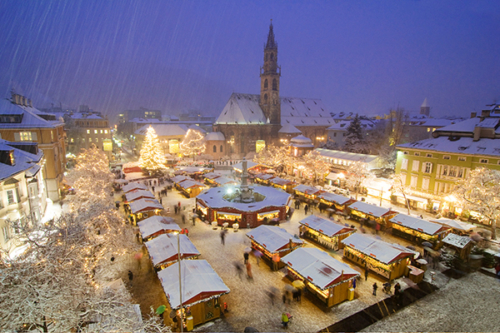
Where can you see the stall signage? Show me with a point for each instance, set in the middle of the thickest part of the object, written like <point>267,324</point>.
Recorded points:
<point>306,224</point>
<point>264,245</point>
<point>310,278</point>
<point>399,222</point>
<point>371,254</point>
<point>320,230</point>
<point>352,245</point>
<point>289,263</point>
<point>420,229</point>
<point>251,236</point>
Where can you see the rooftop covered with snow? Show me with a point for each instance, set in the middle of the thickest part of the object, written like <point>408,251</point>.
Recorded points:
<point>332,197</point>
<point>456,240</point>
<point>138,194</point>
<point>272,238</point>
<point>163,249</point>
<point>164,129</point>
<point>346,156</point>
<point>144,205</point>
<point>156,224</point>
<point>376,249</point>
<point>325,226</point>
<point>370,209</point>
<point>415,223</point>
<point>134,186</point>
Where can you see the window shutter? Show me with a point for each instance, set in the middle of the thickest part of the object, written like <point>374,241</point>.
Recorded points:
<point>34,136</point>
<point>17,137</point>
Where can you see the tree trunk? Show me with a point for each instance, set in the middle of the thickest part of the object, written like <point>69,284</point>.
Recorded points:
<point>493,229</point>
<point>407,202</point>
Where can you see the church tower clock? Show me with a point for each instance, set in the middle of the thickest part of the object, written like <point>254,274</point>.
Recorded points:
<point>270,81</point>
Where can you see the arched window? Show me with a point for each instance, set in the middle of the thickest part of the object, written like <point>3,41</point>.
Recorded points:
<point>272,56</point>
<point>267,56</point>
<point>275,84</point>
<point>265,84</point>
<point>265,98</point>
<point>215,148</point>
<point>221,148</point>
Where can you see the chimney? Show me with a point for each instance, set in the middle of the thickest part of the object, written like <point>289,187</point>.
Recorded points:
<point>485,113</point>
<point>473,114</point>
<point>15,98</point>
<point>30,104</point>
<point>25,101</point>
<point>477,133</point>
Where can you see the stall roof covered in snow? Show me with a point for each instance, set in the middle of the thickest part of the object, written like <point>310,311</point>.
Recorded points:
<point>199,282</point>
<point>281,181</point>
<point>332,197</point>
<point>212,175</point>
<point>462,145</point>
<point>454,224</point>
<point>163,249</point>
<point>264,176</point>
<point>325,226</point>
<point>134,186</point>
<point>343,155</point>
<point>319,268</point>
<point>429,228</point>
<point>180,178</point>
<point>377,249</point>
<point>370,209</point>
<point>456,240</point>
<point>307,189</point>
<point>215,136</point>
<point>138,194</point>
<point>274,239</point>
<point>164,130</point>
<point>190,183</point>
<point>144,205</point>
<point>155,224</point>
<point>245,109</point>
<point>225,181</point>
<point>273,198</point>
<point>239,166</point>
<point>191,169</point>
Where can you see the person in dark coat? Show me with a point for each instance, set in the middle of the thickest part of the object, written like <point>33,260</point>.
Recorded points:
<point>306,207</point>
<point>366,273</point>
<point>245,256</point>
<point>130,276</point>
<point>375,287</point>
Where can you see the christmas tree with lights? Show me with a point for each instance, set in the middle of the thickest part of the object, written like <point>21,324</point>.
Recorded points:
<point>193,143</point>
<point>151,158</point>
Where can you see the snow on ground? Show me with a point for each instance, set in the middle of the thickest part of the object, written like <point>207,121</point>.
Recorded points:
<point>470,304</point>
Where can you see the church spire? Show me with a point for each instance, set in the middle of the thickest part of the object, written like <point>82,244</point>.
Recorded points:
<point>271,43</point>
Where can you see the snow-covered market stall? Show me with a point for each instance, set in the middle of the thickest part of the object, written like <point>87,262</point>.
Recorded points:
<point>335,201</point>
<point>144,208</point>
<point>252,167</point>
<point>211,176</point>
<point>362,211</point>
<point>223,181</point>
<point>461,245</point>
<point>286,185</point>
<point>417,230</point>
<point>263,178</point>
<point>138,194</point>
<point>134,186</point>
<point>325,232</point>
<point>191,171</point>
<point>458,227</point>
<point>223,204</point>
<point>163,250</point>
<point>191,188</point>
<point>330,280</point>
<point>179,179</point>
<point>274,243</point>
<point>387,260</point>
<point>202,289</point>
<point>157,225</point>
<point>306,192</point>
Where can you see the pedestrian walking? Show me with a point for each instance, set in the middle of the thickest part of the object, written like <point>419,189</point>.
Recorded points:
<point>130,276</point>
<point>186,231</point>
<point>257,255</point>
<point>271,295</point>
<point>117,205</point>
<point>179,204</point>
<point>161,203</point>
<point>375,287</point>
<point>239,270</point>
<point>397,294</point>
<point>222,238</point>
<point>306,207</point>
<point>245,256</point>
<point>284,320</point>
<point>249,271</point>
<point>377,228</point>
<point>175,209</point>
<point>153,189</point>
<point>183,219</point>
<point>366,273</point>
<point>299,295</point>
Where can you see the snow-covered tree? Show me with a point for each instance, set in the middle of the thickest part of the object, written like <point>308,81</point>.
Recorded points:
<point>193,143</point>
<point>399,185</point>
<point>274,157</point>
<point>357,173</point>
<point>317,165</point>
<point>355,139</point>
<point>151,157</point>
<point>479,192</point>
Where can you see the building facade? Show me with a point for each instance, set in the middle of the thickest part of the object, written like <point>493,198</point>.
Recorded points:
<point>84,129</point>
<point>21,122</point>
<point>170,137</point>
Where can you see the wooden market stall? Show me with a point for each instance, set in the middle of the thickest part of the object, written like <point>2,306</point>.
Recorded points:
<point>157,225</point>
<point>327,278</point>
<point>362,211</point>
<point>274,243</point>
<point>134,186</point>
<point>138,194</point>
<point>335,201</point>
<point>417,230</point>
<point>191,171</point>
<point>387,260</point>
<point>263,178</point>
<point>286,185</point>
<point>191,188</point>
<point>457,227</point>
<point>211,176</point>
<point>163,250</point>
<point>179,179</point>
<point>462,245</point>
<point>307,192</point>
<point>144,208</point>
<point>222,181</point>
<point>202,289</point>
<point>252,168</point>
<point>325,232</point>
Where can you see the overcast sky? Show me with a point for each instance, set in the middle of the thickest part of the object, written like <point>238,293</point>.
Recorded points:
<point>357,56</point>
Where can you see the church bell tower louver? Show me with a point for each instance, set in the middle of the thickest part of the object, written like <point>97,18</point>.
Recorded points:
<point>270,81</point>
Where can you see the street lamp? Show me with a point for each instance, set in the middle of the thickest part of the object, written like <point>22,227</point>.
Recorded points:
<point>180,282</point>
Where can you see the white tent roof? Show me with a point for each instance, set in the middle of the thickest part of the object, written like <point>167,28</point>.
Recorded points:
<point>456,240</point>
<point>212,175</point>
<point>265,176</point>
<point>301,139</point>
<point>377,249</point>
<point>272,238</point>
<point>325,226</point>
<point>163,249</point>
<point>280,181</point>
<point>455,224</point>
<point>137,194</point>
<point>142,205</point>
<point>343,155</point>
<point>134,186</point>
<point>180,178</point>
<point>369,209</point>
<point>306,189</point>
<point>198,277</point>
<point>190,183</point>
<point>155,224</point>
<point>225,180</point>
<point>164,129</point>
<point>332,197</point>
<point>318,267</point>
<point>415,223</point>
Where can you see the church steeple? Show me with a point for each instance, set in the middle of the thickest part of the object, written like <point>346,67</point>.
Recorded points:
<point>270,80</point>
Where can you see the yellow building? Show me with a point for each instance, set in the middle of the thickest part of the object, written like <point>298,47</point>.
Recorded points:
<point>20,122</point>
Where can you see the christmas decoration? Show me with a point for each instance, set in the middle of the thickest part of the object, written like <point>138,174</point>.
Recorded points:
<point>151,156</point>
<point>193,143</point>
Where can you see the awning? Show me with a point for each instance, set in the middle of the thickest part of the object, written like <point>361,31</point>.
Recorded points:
<point>30,173</point>
<point>411,197</point>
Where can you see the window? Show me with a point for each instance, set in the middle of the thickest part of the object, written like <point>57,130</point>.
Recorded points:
<point>417,154</point>
<point>415,165</point>
<point>96,139</point>
<point>88,131</point>
<point>72,140</point>
<point>428,129</point>
<point>275,84</point>
<point>83,140</point>
<point>105,131</point>
<point>221,148</point>
<point>428,155</point>
<point>265,98</point>
<point>483,160</point>
<point>52,135</point>
<point>404,164</point>
<point>265,84</point>
<point>95,131</point>
<point>427,167</point>
<point>453,171</point>
<point>90,139</point>
<point>25,136</point>
<point>272,56</point>
<point>461,172</point>
<point>425,183</point>
<point>335,134</point>
<point>462,158</point>
<point>446,157</point>
<point>259,145</point>
<point>445,170</point>
<point>413,181</point>
<point>405,153</point>
<point>10,197</point>
<point>215,148</point>
<point>101,132</point>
